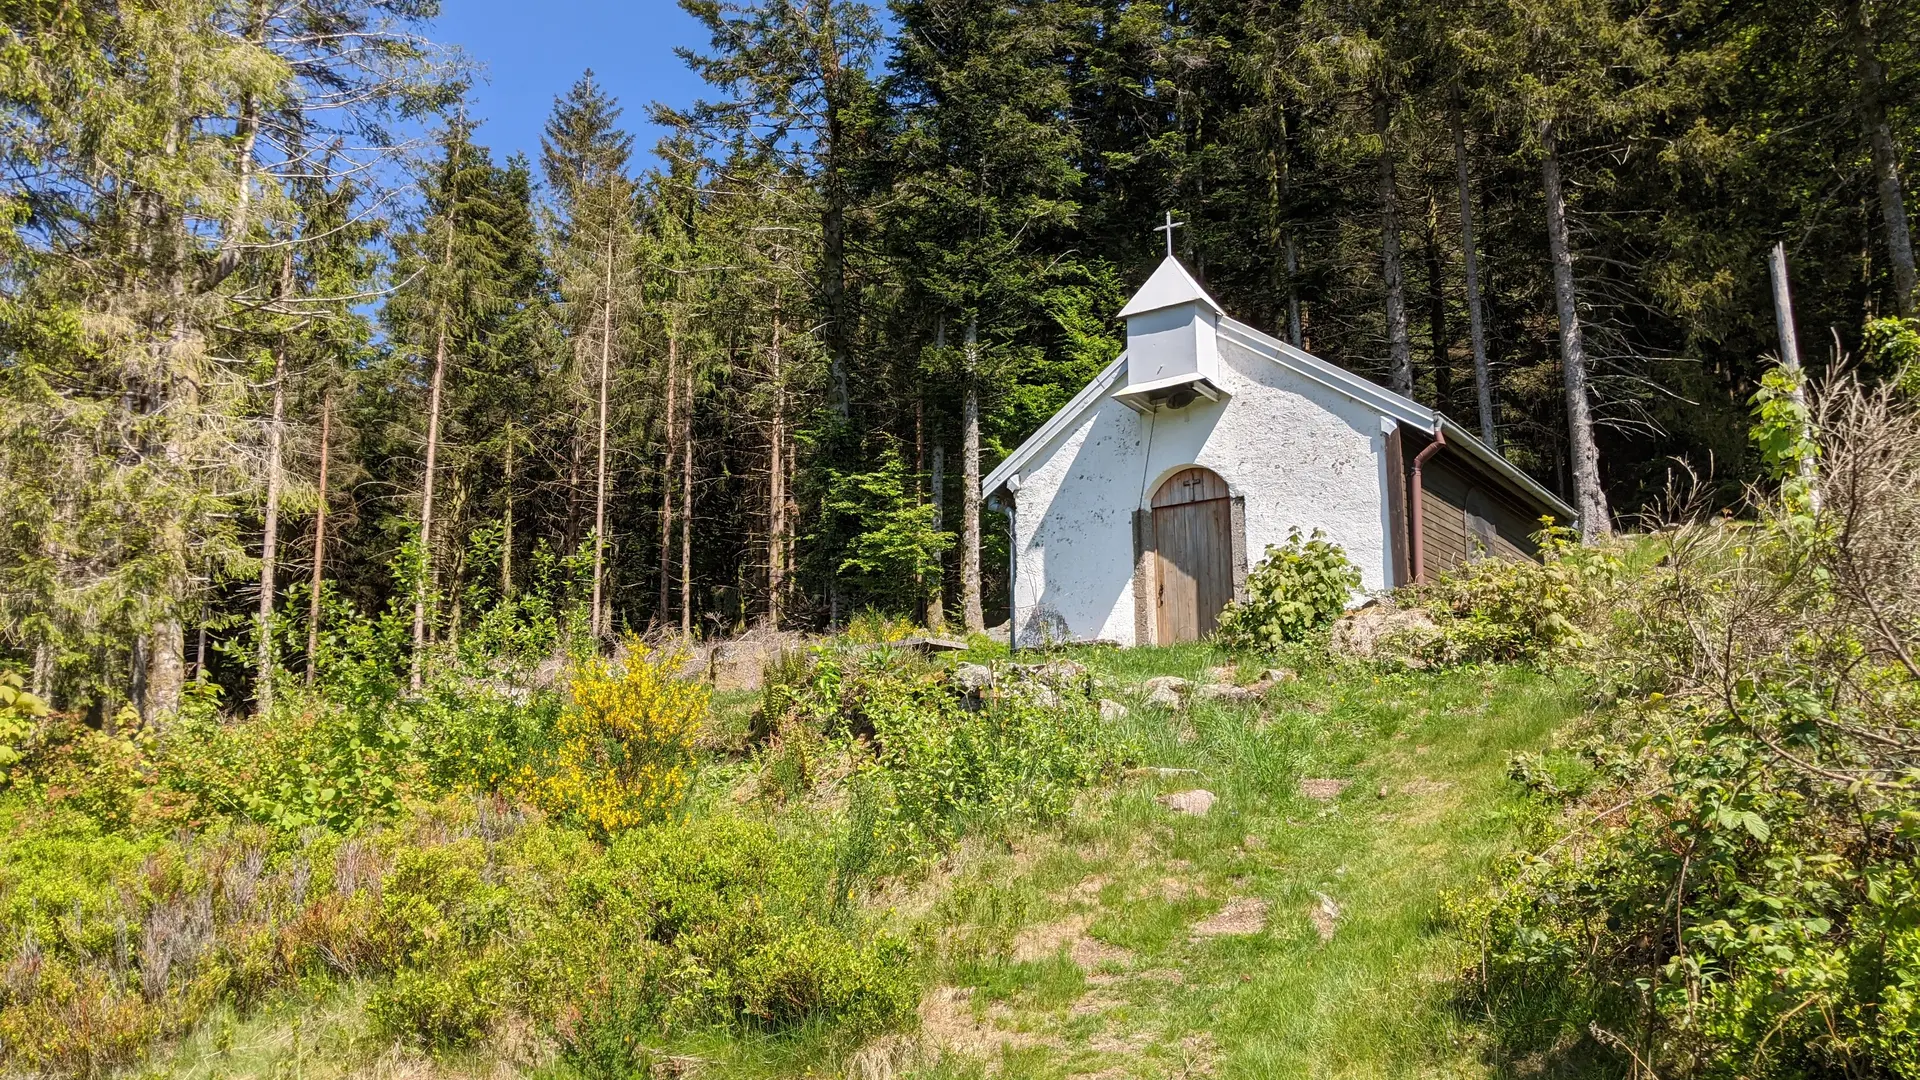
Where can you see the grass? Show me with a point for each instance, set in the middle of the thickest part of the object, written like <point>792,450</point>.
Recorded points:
<point>1129,888</point>
<point>1132,942</point>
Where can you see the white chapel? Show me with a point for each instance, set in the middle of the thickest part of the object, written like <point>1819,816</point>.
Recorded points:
<point>1137,509</point>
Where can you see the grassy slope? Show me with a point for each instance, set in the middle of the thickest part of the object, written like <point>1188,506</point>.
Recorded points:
<point>1427,805</point>
<point>1072,951</point>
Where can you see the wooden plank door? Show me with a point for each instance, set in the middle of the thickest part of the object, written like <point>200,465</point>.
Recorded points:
<point>1192,528</point>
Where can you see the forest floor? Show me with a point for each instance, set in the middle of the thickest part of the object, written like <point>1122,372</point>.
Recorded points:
<point>1296,929</point>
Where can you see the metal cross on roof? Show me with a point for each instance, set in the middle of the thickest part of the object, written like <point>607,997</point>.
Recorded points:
<point>1168,229</point>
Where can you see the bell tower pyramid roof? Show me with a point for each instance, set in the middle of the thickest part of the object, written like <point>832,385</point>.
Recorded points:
<point>1170,286</point>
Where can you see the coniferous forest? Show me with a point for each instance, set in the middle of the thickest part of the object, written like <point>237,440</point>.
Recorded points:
<point>461,613</point>
<point>281,333</point>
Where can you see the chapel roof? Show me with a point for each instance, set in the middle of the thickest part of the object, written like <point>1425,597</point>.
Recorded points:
<point>1170,286</point>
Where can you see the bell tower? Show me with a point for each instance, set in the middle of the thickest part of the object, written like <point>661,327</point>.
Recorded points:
<point>1173,349</point>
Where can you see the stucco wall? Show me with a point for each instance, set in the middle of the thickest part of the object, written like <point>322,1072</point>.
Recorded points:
<point>1298,452</point>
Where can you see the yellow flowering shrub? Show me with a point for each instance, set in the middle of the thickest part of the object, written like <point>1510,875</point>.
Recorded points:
<point>624,742</point>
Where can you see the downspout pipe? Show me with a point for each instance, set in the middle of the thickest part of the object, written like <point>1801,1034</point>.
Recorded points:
<point>1418,526</point>
<point>1002,501</point>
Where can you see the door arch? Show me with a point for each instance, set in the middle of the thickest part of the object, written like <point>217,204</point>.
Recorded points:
<point>1193,554</point>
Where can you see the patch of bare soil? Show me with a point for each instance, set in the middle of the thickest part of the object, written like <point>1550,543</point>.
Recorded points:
<point>1422,788</point>
<point>1090,954</point>
<point>1089,887</point>
<point>1323,789</point>
<point>1243,915</point>
<point>1171,889</point>
<point>1199,1054</point>
<point>947,1021</point>
<point>1040,942</point>
<point>1093,954</point>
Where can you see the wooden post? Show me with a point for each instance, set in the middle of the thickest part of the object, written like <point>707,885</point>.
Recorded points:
<point>1790,353</point>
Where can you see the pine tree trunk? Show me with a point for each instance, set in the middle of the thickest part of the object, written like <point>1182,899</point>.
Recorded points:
<point>663,607</point>
<point>600,461</point>
<point>1885,156</point>
<point>937,588</point>
<point>1294,335</point>
<point>319,540</point>
<point>1437,313</point>
<point>1590,499</point>
<point>269,541</point>
<point>423,586</point>
<point>686,513</point>
<point>1399,339</point>
<point>1470,257</point>
<point>776,482</point>
<point>975,617</point>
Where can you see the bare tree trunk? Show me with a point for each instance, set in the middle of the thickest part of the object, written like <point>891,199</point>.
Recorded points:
<point>776,482</point>
<point>976,619</point>
<point>1790,359</point>
<point>600,461</point>
<point>666,478</point>
<point>506,526</point>
<point>937,592</point>
<point>1470,256</point>
<point>319,539</point>
<point>269,541</point>
<point>1590,499</point>
<point>425,568</point>
<point>686,513</point>
<point>1399,340</point>
<point>1886,157</point>
<point>1437,312</point>
<point>1294,335</point>
<point>270,524</point>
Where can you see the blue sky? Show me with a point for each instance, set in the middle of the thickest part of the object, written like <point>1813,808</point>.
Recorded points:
<point>531,51</point>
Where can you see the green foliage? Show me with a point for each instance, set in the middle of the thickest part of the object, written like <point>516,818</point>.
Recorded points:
<point>893,540</point>
<point>932,761</point>
<point>1731,891</point>
<point>1783,433</point>
<point>1295,590</point>
<point>18,712</point>
<point>464,912</point>
<point>1519,611</point>
<point>1892,345</point>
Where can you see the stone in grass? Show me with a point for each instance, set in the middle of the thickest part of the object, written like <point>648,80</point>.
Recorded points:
<point>1167,682</point>
<point>1111,710</point>
<point>1195,802</point>
<point>1323,789</point>
<point>1240,695</point>
<point>972,678</point>
<point>1278,675</point>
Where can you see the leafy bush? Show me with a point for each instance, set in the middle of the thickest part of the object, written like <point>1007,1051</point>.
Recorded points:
<point>1733,890</point>
<point>1519,611</point>
<point>625,744</point>
<point>18,711</point>
<point>929,759</point>
<point>1296,589</point>
<point>462,912</point>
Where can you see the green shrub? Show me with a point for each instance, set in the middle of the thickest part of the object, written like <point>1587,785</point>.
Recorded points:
<point>19,710</point>
<point>440,1010</point>
<point>1520,611</point>
<point>1296,589</point>
<point>1729,889</point>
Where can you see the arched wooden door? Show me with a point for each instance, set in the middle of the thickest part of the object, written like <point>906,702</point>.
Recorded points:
<point>1193,552</point>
